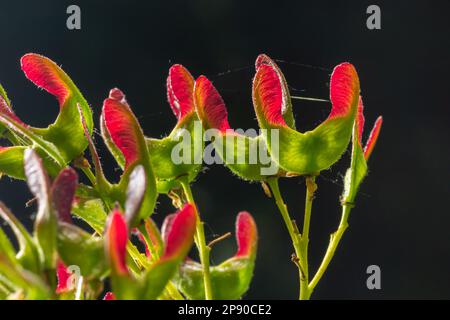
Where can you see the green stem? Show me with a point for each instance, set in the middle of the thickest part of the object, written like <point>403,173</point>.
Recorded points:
<point>90,175</point>
<point>335,238</point>
<point>292,229</point>
<point>200,241</point>
<point>171,290</point>
<point>311,187</point>
<point>299,241</point>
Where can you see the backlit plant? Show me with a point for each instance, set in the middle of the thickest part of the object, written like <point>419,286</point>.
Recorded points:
<point>61,260</point>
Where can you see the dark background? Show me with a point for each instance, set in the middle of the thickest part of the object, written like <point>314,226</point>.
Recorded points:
<point>401,221</point>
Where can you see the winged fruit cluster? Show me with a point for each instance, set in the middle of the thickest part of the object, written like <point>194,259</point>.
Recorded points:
<point>61,260</point>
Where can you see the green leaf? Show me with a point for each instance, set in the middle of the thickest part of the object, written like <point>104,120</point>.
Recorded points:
<point>357,171</point>
<point>34,288</point>
<point>91,211</point>
<point>11,162</point>
<point>157,277</point>
<point>24,131</point>
<point>312,151</point>
<point>168,157</point>
<point>4,95</point>
<point>229,280</point>
<point>6,247</point>
<point>232,148</point>
<point>77,247</point>
<point>28,255</point>
<point>8,105</point>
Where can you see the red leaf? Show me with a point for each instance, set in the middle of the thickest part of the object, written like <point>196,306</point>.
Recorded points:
<point>109,296</point>
<point>180,90</point>
<point>116,238</point>
<point>360,119</point>
<point>180,234</point>
<point>63,192</point>
<point>122,126</point>
<point>210,106</point>
<point>63,278</point>
<point>344,90</point>
<point>46,75</point>
<point>166,226</point>
<point>6,110</point>
<point>373,137</point>
<point>268,95</point>
<point>246,234</point>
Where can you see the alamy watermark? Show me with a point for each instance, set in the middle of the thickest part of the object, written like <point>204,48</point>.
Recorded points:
<point>73,21</point>
<point>232,147</point>
<point>374,280</point>
<point>374,19</point>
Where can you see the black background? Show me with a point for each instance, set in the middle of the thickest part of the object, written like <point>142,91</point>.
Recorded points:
<point>401,221</point>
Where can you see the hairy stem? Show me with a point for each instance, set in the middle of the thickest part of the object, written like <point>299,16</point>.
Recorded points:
<point>299,241</point>
<point>311,187</point>
<point>292,229</point>
<point>200,241</point>
<point>335,238</point>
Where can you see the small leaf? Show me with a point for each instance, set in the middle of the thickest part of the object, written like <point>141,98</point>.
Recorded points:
<point>66,133</point>
<point>373,137</point>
